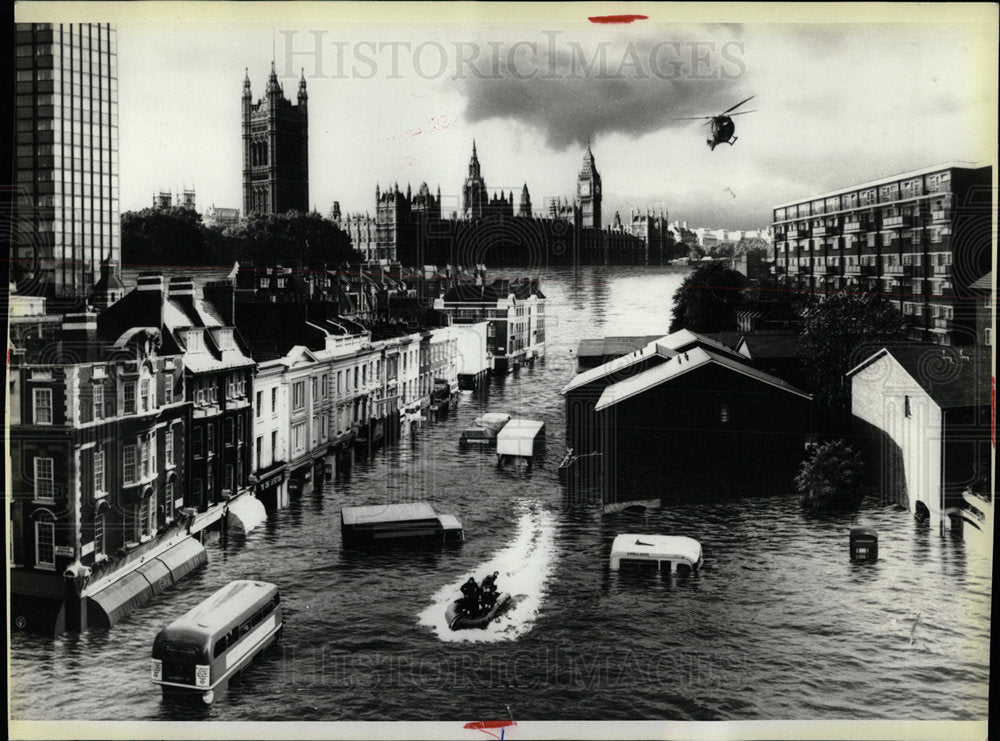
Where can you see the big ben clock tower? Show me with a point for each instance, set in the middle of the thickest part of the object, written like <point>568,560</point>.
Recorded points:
<point>588,192</point>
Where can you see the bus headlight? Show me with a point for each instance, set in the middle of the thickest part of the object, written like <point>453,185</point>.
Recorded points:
<point>201,675</point>
<point>157,671</point>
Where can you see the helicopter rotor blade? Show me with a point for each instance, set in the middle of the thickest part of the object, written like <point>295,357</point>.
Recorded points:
<point>692,118</point>
<point>742,112</point>
<point>738,104</point>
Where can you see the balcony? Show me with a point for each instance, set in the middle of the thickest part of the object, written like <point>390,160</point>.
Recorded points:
<point>863,271</point>
<point>897,222</point>
<point>857,225</point>
<point>942,270</point>
<point>941,216</point>
<point>893,269</point>
<point>799,232</point>
<point>826,230</point>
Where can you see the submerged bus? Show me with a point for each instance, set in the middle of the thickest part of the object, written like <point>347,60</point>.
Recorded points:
<point>200,651</point>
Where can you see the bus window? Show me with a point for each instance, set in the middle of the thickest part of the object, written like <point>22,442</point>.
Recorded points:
<point>220,647</point>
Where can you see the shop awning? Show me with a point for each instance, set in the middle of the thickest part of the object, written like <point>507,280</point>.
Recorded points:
<point>184,558</point>
<point>117,600</point>
<point>245,514</point>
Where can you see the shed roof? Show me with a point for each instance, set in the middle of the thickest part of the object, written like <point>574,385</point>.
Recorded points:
<point>679,365</point>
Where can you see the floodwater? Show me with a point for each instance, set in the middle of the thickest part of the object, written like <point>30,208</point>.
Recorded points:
<point>779,624</point>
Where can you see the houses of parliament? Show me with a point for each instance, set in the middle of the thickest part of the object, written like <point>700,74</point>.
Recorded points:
<point>411,229</point>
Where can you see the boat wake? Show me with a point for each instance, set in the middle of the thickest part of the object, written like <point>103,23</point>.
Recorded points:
<point>524,566</point>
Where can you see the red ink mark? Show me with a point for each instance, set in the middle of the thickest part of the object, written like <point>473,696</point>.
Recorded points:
<point>483,725</point>
<point>617,18</point>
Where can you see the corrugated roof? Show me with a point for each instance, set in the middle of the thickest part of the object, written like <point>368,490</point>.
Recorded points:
<point>679,365</point>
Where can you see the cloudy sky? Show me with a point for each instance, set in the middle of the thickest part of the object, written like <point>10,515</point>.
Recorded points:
<point>402,102</point>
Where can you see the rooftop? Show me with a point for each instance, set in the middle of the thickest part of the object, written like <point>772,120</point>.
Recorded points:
<point>889,179</point>
<point>679,365</point>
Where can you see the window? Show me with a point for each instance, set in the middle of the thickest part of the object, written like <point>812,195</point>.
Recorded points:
<point>228,483</point>
<point>45,542</point>
<point>168,388</point>
<point>43,406</point>
<point>906,406</point>
<point>210,440</point>
<point>168,447</point>
<point>144,394</point>
<point>168,500</point>
<point>260,444</point>
<point>724,413</point>
<point>99,544</point>
<point>98,401</point>
<point>988,336</point>
<point>260,402</point>
<point>44,480</point>
<point>229,432</point>
<point>274,401</point>
<point>128,398</point>
<point>146,515</point>
<point>298,395</point>
<point>312,389</point>
<point>99,485</point>
<point>274,446</point>
<point>196,439</point>
<point>299,437</point>
<point>144,458</point>
<point>129,464</point>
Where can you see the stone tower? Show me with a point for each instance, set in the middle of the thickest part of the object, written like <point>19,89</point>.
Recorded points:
<point>588,192</point>
<point>275,149</point>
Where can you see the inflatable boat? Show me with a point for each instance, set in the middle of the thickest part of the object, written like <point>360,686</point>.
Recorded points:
<point>457,621</point>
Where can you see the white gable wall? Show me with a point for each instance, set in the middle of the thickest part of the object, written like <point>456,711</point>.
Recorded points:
<point>878,396</point>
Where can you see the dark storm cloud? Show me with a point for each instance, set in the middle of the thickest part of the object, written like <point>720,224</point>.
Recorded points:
<point>571,90</point>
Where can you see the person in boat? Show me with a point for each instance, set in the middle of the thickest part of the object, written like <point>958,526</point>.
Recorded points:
<point>488,591</point>
<point>470,597</point>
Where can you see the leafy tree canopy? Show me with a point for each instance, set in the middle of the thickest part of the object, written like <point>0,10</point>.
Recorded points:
<point>839,332</point>
<point>833,476</point>
<point>708,299</point>
<point>177,236</point>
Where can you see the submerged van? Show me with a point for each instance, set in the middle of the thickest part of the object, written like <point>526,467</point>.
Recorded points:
<point>668,553</point>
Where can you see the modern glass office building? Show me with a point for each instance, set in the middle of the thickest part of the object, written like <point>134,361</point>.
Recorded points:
<point>66,169</point>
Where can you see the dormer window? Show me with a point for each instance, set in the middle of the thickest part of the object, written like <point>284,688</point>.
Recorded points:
<point>225,339</point>
<point>194,341</point>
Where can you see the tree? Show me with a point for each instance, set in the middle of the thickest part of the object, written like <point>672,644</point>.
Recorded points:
<point>839,333</point>
<point>293,236</point>
<point>708,299</point>
<point>831,477</point>
<point>157,237</point>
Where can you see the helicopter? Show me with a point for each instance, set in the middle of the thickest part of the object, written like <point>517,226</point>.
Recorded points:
<point>723,128</point>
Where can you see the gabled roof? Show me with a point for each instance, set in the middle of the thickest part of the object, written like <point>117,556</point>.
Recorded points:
<point>778,344</point>
<point>653,353</point>
<point>679,365</point>
<point>953,377</point>
<point>983,284</point>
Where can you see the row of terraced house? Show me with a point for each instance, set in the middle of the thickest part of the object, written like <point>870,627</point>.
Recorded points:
<point>159,414</point>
